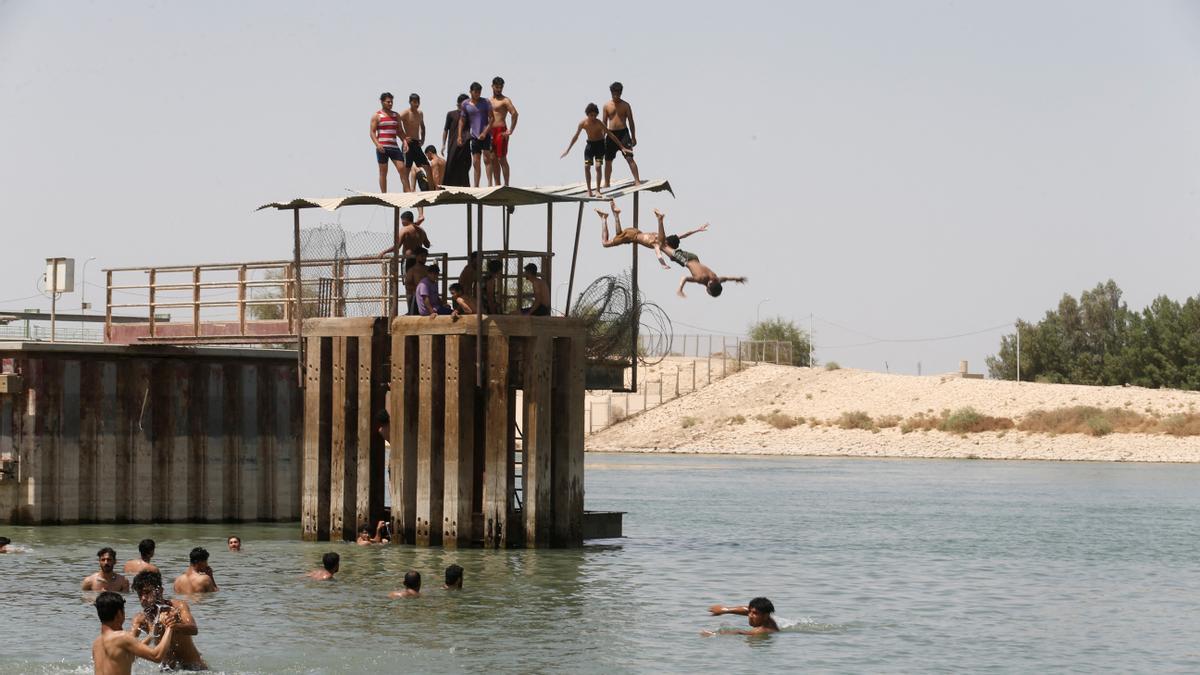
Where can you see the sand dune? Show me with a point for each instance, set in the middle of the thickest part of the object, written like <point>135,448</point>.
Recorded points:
<point>707,421</point>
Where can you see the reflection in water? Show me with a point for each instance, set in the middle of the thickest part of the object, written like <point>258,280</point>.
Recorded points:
<point>889,565</point>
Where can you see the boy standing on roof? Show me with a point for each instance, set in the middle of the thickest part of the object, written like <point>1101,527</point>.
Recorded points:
<point>384,127</point>
<point>502,107</point>
<point>476,115</point>
<point>632,235</point>
<point>412,124</point>
<point>699,273</point>
<point>593,151</point>
<point>618,117</point>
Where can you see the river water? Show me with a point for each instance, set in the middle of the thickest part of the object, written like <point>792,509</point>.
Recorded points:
<point>881,565</point>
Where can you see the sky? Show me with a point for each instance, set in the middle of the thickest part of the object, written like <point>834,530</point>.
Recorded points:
<point>908,178</point>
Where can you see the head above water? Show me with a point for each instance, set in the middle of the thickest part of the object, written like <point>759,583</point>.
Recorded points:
<point>110,606</point>
<point>331,561</point>
<point>761,610</point>
<point>107,557</point>
<point>364,529</point>
<point>198,556</point>
<point>454,576</point>
<point>148,587</point>
<point>146,548</point>
<point>412,580</point>
<point>591,110</point>
<point>234,543</point>
<point>4,541</point>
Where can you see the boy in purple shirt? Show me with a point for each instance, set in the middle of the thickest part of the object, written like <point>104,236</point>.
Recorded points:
<point>428,302</point>
<point>477,114</point>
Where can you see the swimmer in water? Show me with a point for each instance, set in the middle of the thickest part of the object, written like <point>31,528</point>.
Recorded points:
<point>454,578</point>
<point>114,651</point>
<point>412,586</point>
<point>758,614</point>
<point>331,563</point>
<point>106,579</point>
<point>142,563</point>
<point>199,576</point>
<point>181,653</point>
<point>234,543</point>
<point>365,538</point>
<point>4,542</point>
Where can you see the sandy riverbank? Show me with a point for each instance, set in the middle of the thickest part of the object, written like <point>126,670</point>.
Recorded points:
<point>708,421</point>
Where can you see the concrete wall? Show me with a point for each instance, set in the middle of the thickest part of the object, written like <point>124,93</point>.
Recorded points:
<point>104,433</point>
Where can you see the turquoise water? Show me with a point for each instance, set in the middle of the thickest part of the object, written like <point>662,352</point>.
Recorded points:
<point>885,565</point>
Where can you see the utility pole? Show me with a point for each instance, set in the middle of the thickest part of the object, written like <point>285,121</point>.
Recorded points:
<point>810,340</point>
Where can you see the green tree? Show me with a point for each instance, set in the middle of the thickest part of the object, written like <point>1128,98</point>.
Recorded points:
<point>782,330</point>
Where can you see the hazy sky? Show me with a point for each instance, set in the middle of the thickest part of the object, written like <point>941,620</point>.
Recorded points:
<point>900,170</point>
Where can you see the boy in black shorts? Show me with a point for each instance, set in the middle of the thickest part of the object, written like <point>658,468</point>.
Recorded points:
<point>594,150</point>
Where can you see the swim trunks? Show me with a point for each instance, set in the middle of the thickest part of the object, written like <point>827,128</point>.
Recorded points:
<point>593,151</point>
<point>478,145</point>
<point>683,257</point>
<point>415,154</point>
<point>627,236</point>
<point>500,141</point>
<point>610,147</point>
<point>389,152</point>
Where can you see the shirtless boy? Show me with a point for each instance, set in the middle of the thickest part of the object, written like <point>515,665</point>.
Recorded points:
<point>502,107</point>
<point>632,235</point>
<point>234,543</point>
<point>384,127</point>
<point>618,117</point>
<point>437,168</point>
<point>330,562</point>
<point>698,273</point>
<point>758,614</point>
<point>412,236</point>
<point>454,578</point>
<point>199,576</point>
<point>414,272</point>
<point>114,651</point>
<point>541,292</point>
<point>141,564</point>
<point>412,586</point>
<point>476,116</point>
<point>364,534</point>
<point>593,151</point>
<point>106,579</point>
<point>459,302</point>
<point>181,651</point>
<point>412,133</point>
<point>4,542</point>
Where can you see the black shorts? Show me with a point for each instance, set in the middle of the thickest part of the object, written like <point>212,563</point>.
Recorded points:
<point>478,145</point>
<point>389,152</point>
<point>415,154</point>
<point>593,151</point>
<point>611,149</point>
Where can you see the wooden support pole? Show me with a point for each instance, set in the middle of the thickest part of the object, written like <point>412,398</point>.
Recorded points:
<point>343,464</point>
<point>497,484</point>
<point>297,306</point>
<point>548,265</point>
<point>241,293</point>
<point>153,296</point>
<point>108,306</point>
<point>470,248</point>
<point>459,442</point>
<point>317,403</point>
<point>479,301</point>
<point>368,505</point>
<point>574,257</point>
<point>394,268</point>
<point>403,417</point>
<point>635,318</point>
<point>196,301</point>
<point>567,429</point>
<point>538,443</point>
<point>431,416</point>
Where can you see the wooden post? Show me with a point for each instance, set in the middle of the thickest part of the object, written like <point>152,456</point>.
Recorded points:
<point>635,318</point>
<point>574,257</point>
<point>479,301</point>
<point>394,267</point>
<point>693,375</point>
<point>431,416</point>
<point>403,422</point>
<point>297,305</point>
<point>567,430</point>
<point>368,506</point>
<point>547,264</point>
<point>459,439</point>
<point>317,438</point>
<point>343,464</point>
<point>497,485</point>
<point>241,300</point>
<point>470,248</point>
<point>153,294</point>
<point>108,306</point>
<point>196,301</point>
<point>539,444</point>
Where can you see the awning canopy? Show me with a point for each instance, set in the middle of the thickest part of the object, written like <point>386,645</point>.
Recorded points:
<point>491,196</point>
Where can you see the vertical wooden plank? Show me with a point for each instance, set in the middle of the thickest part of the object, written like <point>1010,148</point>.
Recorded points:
<point>249,437</point>
<point>538,444</point>
<point>346,504</point>
<point>317,400</point>
<point>368,506</point>
<point>214,449</point>
<point>567,429</point>
<point>89,439</point>
<point>288,457</point>
<point>403,415</point>
<point>337,458</point>
<point>430,429</point>
<point>497,483</point>
<point>196,393</point>
<point>111,476</point>
<point>231,445</point>
<point>459,442</point>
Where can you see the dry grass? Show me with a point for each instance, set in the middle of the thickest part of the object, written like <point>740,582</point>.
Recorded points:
<point>1082,419</point>
<point>688,422</point>
<point>736,419</point>
<point>779,420</point>
<point>888,421</point>
<point>832,365</point>
<point>856,419</point>
<point>969,421</point>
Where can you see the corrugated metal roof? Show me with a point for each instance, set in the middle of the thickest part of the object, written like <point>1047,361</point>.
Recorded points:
<point>491,196</point>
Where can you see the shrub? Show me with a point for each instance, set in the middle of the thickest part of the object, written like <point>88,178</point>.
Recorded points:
<point>616,414</point>
<point>856,419</point>
<point>832,365</point>
<point>781,421</point>
<point>688,422</point>
<point>737,419</point>
<point>1181,424</point>
<point>888,421</point>
<point>1082,419</point>
<point>1099,425</point>
<point>968,420</point>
